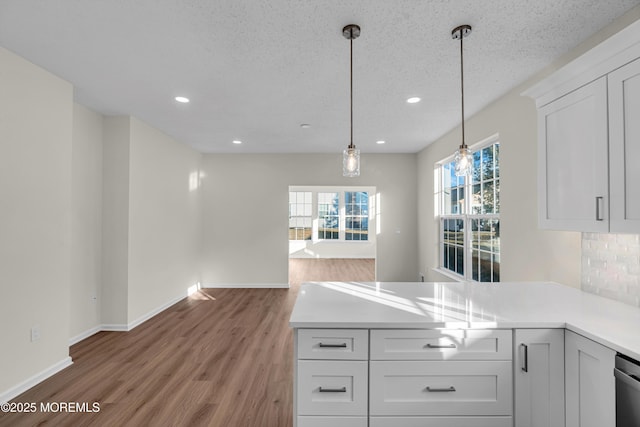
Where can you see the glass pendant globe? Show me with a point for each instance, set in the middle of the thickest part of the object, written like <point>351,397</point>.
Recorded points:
<point>463,161</point>
<point>351,162</point>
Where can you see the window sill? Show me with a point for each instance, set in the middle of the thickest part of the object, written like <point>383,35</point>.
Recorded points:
<point>449,274</point>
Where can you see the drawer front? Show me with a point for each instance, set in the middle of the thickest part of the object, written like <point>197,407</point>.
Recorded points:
<point>441,344</point>
<point>332,421</point>
<point>332,387</point>
<point>441,388</point>
<point>333,344</point>
<point>441,422</point>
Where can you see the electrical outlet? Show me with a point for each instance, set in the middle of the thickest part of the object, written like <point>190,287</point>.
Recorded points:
<point>35,333</point>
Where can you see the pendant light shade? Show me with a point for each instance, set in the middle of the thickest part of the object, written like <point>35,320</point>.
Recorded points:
<point>463,159</point>
<point>351,156</point>
<point>351,162</point>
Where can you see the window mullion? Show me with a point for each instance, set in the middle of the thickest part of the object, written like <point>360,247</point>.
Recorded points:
<point>342,211</point>
<point>468,190</point>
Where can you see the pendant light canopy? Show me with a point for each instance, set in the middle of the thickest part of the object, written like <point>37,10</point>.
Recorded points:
<point>351,156</point>
<point>464,157</point>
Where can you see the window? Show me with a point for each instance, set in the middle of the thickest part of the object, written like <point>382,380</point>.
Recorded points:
<point>470,215</point>
<point>331,213</point>
<point>328,216</point>
<point>300,215</point>
<point>356,215</point>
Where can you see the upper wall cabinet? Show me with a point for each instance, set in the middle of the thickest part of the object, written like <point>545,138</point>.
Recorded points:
<point>573,183</point>
<point>624,147</point>
<point>587,139</point>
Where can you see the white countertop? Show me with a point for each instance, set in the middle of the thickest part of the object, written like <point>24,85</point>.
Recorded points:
<point>468,305</point>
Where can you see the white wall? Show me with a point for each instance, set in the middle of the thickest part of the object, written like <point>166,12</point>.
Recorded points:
<point>164,220</point>
<point>35,199</point>
<point>151,224</point>
<point>527,253</point>
<point>86,222</point>
<point>115,221</point>
<point>246,220</point>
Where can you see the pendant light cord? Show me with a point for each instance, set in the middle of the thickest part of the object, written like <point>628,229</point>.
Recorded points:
<point>462,84</point>
<point>351,85</point>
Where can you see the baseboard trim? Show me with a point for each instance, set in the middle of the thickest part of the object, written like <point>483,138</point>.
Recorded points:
<point>34,380</point>
<point>246,286</point>
<point>114,327</point>
<point>154,312</point>
<point>84,335</point>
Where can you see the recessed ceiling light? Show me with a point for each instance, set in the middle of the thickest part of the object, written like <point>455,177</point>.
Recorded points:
<point>380,142</point>
<point>413,100</point>
<point>305,126</point>
<point>182,99</point>
<point>237,141</point>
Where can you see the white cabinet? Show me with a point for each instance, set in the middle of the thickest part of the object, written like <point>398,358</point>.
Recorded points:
<point>573,187</point>
<point>440,344</point>
<point>331,387</point>
<point>589,137</point>
<point>414,387</point>
<point>333,344</point>
<point>441,378</point>
<point>441,422</point>
<point>624,146</point>
<point>539,377</point>
<point>590,384</point>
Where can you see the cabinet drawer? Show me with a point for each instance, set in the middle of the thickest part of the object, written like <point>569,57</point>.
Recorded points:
<point>332,387</point>
<point>441,344</point>
<point>441,388</point>
<point>332,421</point>
<point>334,344</point>
<point>441,422</point>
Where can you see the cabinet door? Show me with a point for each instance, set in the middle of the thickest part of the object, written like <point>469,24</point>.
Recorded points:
<point>624,145</point>
<point>471,388</point>
<point>332,387</point>
<point>572,161</point>
<point>440,344</point>
<point>590,384</point>
<point>539,377</point>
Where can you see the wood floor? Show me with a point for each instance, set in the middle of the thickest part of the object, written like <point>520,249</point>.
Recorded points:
<point>222,357</point>
<point>336,270</point>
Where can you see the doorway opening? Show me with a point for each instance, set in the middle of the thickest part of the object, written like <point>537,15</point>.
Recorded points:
<point>332,233</point>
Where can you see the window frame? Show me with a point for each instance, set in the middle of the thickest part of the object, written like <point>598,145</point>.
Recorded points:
<point>467,216</point>
<point>355,217</point>
<point>315,196</point>
<point>301,217</point>
<point>372,201</point>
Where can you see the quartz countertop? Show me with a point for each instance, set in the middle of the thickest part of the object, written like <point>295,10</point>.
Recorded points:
<point>468,305</point>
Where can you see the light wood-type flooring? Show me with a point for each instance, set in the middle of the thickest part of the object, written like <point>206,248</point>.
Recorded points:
<point>222,357</point>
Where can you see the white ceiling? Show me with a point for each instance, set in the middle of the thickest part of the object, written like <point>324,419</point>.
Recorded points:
<point>256,70</point>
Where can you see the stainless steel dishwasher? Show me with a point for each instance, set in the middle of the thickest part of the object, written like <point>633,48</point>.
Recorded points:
<point>627,373</point>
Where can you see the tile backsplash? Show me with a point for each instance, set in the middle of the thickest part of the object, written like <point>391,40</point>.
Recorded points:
<point>611,266</point>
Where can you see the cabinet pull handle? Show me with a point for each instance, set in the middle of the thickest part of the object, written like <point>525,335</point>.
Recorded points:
<point>440,390</point>
<point>525,358</point>
<point>333,390</point>
<point>599,200</point>
<point>440,346</point>
<point>343,345</point>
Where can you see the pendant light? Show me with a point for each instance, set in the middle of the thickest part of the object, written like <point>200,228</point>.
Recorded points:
<point>464,157</point>
<point>351,156</point>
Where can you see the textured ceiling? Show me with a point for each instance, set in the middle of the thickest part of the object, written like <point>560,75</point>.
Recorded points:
<point>256,70</point>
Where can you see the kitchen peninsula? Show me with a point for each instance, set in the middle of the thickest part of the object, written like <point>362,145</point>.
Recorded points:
<point>455,354</point>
